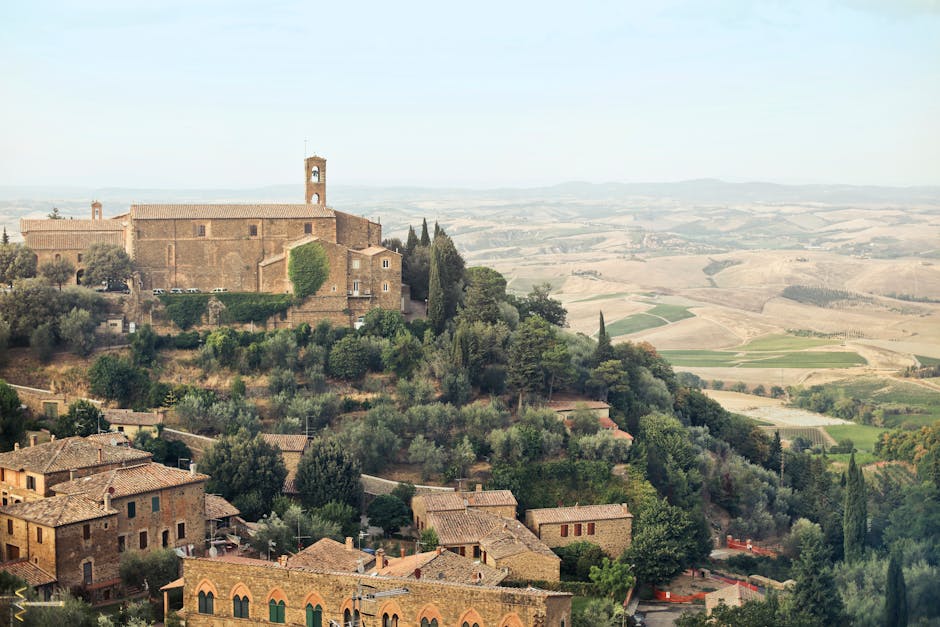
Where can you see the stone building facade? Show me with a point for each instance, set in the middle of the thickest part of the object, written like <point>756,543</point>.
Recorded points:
<point>302,596</point>
<point>608,526</point>
<point>496,502</point>
<point>240,248</point>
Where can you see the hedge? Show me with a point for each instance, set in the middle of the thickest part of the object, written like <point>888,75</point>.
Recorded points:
<point>308,268</point>
<point>185,310</point>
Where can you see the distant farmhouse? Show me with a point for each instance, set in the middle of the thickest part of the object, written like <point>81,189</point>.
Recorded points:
<point>239,248</point>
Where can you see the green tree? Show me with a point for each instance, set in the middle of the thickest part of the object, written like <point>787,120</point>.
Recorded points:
<point>896,614</point>
<point>445,281</point>
<point>57,272</point>
<point>6,238</point>
<point>307,268</point>
<point>613,579</point>
<point>42,341</point>
<point>411,242</point>
<point>425,236</point>
<point>598,613</point>
<point>437,302</point>
<point>604,350</point>
<point>54,214</point>
<point>106,263</point>
<point>402,354</point>
<point>428,540</point>
<point>83,418</point>
<point>382,323</point>
<point>815,594</point>
<point>328,472</point>
<point>116,379</point>
<point>77,330</point>
<point>144,345</point>
<point>667,541</point>
<point>16,262</point>
<point>349,359</point>
<point>855,512</point>
<point>388,512</point>
<point>527,349</point>
<point>12,422</point>
<point>247,471</point>
<point>486,288</point>
<point>539,303</point>
<point>155,568</point>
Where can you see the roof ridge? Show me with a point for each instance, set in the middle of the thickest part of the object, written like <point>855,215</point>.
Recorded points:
<point>57,450</point>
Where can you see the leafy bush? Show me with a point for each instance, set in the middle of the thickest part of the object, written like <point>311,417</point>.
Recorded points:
<point>185,310</point>
<point>307,268</point>
<point>250,307</point>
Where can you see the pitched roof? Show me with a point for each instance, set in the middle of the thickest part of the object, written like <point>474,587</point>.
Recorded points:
<point>28,225</point>
<point>330,555</point>
<point>578,513</point>
<point>443,566</point>
<point>570,404</point>
<point>217,507</point>
<point>128,481</point>
<point>497,535</point>
<point>220,211</point>
<point>452,501</point>
<point>69,453</point>
<point>80,240</point>
<point>376,250</point>
<point>57,511</point>
<point>131,417</point>
<point>512,538</point>
<point>111,438</point>
<point>287,443</point>
<point>28,572</point>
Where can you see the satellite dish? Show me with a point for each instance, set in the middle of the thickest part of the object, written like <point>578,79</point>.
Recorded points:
<point>213,552</point>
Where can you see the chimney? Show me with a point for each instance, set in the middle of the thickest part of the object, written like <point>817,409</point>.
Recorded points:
<point>71,474</point>
<point>349,543</point>
<point>52,438</point>
<point>107,500</point>
<point>623,506</point>
<point>282,561</point>
<point>380,561</point>
<point>440,550</point>
<point>32,440</point>
<point>16,446</point>
<point>417,573</point>
<point>402,552</point>
<point>100,455</point>
<point>479,487</point>
<point>192,468</point>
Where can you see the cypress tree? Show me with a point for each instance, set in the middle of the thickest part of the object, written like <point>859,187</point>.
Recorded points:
<point>6,238</point>
<point>437,308</point>
<point>855,513</point>
<point>412,242</point>
<point>895,596</point>
<point>604,351</point>
<point>815,594</point>
<point>425,236</point>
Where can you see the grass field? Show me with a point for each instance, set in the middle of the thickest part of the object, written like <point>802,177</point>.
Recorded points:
<point>796,359</point>
<point>672,313</point>
<point>863,436</point>
<point>904,402</point>
<point>633,324</point>
<point>928,361</point>
<point>602,297</point>
<point>784,343</point>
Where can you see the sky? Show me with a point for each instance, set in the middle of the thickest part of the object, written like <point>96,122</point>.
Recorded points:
<point>224,93</point>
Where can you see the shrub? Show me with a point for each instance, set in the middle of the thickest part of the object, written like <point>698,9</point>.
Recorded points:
<point>252,307</point>
<point>307,268</point>
<point>185,310</point>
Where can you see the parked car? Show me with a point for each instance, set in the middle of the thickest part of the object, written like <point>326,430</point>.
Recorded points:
<point>193,290</point>
<point>219,290</point>
<point>157,291</point>
<point>176,290</point>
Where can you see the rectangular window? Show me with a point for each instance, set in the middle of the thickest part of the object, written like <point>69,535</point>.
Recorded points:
<point>86,532</point>
<point>30,483</point>
<point>564,531</point>
<point>155,504</point>
<point>132,509</point>
<point>87,573</point>
<point>165,538</point>
<point>143,539</point>
<point>355,264</point>
<point>253,230</point>
<point>308,228</point>
<point>79,257</point>
<point>385,287</point>
<point>39,535</point>
<point>577,529</point>
<point>9,526</point>
<point>122,544</point>
<point>355,288</point>
<point>201,230</point>
<point>3,474</point>
<point>386,263</point>
<point>590,529</point>
<point>180,530</point>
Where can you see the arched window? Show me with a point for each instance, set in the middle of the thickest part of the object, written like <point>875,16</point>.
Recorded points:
<point>314,616</point>
<point>206,603</point>
<point>240,606</point>
<point>276,611</point>
<point>430,623</point>
<point>315,199</point>
<point>389,620</point>
<point>466,624</point>
<point>351,618</point>
<point>315,174</point>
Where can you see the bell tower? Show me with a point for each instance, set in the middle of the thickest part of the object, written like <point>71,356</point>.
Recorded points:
<point>315,173</point>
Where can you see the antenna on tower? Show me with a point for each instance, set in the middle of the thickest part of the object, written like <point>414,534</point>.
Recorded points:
<point>305,147</point>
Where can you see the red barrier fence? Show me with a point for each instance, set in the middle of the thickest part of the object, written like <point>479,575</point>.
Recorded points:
<point>747,545</point>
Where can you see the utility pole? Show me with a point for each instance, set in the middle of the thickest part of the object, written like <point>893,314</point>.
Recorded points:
<point>299,537</point>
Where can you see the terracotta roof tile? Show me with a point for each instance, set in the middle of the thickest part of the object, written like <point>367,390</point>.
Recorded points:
<point>497,535</point>
<point>69,453</point>
<point>28,572</point>
<point>578,513</point>
<point>287,443</point>
<point>330,555</point>
<point>57,511</point>
<point>220,211</point>
<point>28,225</point>
<point>71,241</point>
<point>512,538</point>
<point>218,507</point>
<point>130,417</point>
<point>452,501</point>
<point>444,566</point>
<point>111,438</point>
<point>129,481</point>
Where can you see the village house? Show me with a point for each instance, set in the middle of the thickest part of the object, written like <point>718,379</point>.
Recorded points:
<point>221,519</point>
<point>566,407</point>
<point>732,596</point>
<point>292,448</point>
<point>130,422</point>
<point>158,506</point>
<point>439,565</point>
<point>28,474</point>
<point>498,542</point>
<point>231,590</point>
<point>608,526</point>
<point>497,502</point>
<point>330,555</point>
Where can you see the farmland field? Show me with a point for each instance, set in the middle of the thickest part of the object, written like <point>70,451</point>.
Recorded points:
<point>904,402</point>
<point>812,434</point>
<point>927,361</point>
<point>672,313</point>
<point>796,359</point>
<point>634,323</point>
<point>784,343</point>
<point>863,436</point>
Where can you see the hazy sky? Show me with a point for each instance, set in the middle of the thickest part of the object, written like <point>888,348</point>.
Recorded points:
<point>223,93</point>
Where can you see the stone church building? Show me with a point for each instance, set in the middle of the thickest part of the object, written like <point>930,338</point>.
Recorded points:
<point>239,248</point>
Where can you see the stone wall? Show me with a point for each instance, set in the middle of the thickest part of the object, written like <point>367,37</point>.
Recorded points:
<point>613,536</point>
<point>183,504</point>
<point>449,603</point>
<point>72,551</point>
<point>529,566</point>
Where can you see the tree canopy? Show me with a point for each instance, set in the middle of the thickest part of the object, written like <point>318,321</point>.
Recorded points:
<point>12,421</point>
<point>328,472</point>
<point>106,264</point>
<point>247,471</point>
<point>308,267</point>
